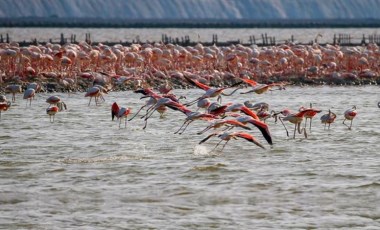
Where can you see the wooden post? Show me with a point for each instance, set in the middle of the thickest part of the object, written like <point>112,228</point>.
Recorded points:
<point>62,39</point>
<point>8,38</point>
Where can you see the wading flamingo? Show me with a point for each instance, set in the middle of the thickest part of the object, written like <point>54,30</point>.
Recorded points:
<point>51,111</point>
<point>13,89</point>
<point>328,118</point>
<point>120,113</point>
<point>227,136</point>
<point>294,118</point>
<point>309,115</point>
<point>350,114</point>
<point>4,106</point>
<point>93,92</point>
<point>29,95</point>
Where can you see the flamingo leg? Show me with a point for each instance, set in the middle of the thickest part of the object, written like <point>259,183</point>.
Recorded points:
<point>183,130</point>
<point>310,124</point>
<point>216,145</point>
<point>287,133</point>
<point>89,101</point>
<point>295,128</point>
<point>184,123</point>
<point>224,145</point>
<point>137,112</point>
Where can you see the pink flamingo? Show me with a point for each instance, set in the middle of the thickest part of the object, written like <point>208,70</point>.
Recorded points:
<point>310,114</point>
<point>93,92</point>
<point>229,123</point>
<point>227,136</point>
<point>29,95</point>
<point>261,88</point>
<point>13,89</point>
<point>4,106</point>
<point>328,118</point>
<point>51,111</point>
<point>350,114</point>
<point>120,113</point>
<point>210,92</point>
<point>294,118</point>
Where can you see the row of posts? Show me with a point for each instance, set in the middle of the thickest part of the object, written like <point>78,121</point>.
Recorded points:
<point>341,39</point>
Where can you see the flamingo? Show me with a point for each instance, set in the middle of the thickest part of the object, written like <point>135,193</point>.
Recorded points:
<point>294,118</point>
<point>29,95</point>
<point>261,88</point>
<point>192,116</point>
<point>234,107</point>
<point>210,92</point>
<point>13,89</point>
<point>4,106</point>
<point>350,114</point>
<point>120,112</point>
<point>328,118</point>
<point>229,123</point>
<point>309,115</point>
<point>227,136</point>
<point>53,100</point>
<point>51,111</point>
<point>93,92</point>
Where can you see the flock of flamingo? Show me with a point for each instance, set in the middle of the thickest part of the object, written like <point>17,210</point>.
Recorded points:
<point>145,67</point>
<point>222,117</point>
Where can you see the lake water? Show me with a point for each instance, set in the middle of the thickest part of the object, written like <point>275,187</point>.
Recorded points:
<point>83,172</point>
<point>303,35</point>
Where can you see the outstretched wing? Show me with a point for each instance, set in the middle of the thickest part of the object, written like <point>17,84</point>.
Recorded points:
<point>263,129</point>
<point>249,81</point>
<point>208,137</point>
<point>197,83</point>
<point>249,138</point>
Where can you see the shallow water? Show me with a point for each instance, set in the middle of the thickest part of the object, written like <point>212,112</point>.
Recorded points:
<point>83,172</point>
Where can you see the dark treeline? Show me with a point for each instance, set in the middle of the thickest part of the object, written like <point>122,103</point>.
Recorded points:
<point>186,23</point>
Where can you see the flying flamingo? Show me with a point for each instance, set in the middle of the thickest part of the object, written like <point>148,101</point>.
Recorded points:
<point>29,95</point>
<point>309,115</point>
<point>229,123</point>
<point>234,107</point>
<point>210,92</point>
<point>192,116</point>
<point>120,113</point>
<point>328,118</point>
<point>227,136</point>
<point>51,111</point>
<point>162,101</point>
<point>294,118</point>
<point>350,114</point>
<point>260,88</point>
<point>264,129</point>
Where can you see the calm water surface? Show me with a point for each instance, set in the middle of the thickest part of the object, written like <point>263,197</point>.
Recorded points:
<point>303,35</point>
<point>83,172</point>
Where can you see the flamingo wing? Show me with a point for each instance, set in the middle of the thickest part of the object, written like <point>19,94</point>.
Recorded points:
<point>249,81</point>
<point>249,138</point>
<point>208,137</point>
<point>197,83</point>
<point>263,129</point>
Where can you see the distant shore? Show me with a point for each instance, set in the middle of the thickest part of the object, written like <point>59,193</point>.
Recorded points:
<point>187,23</point>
